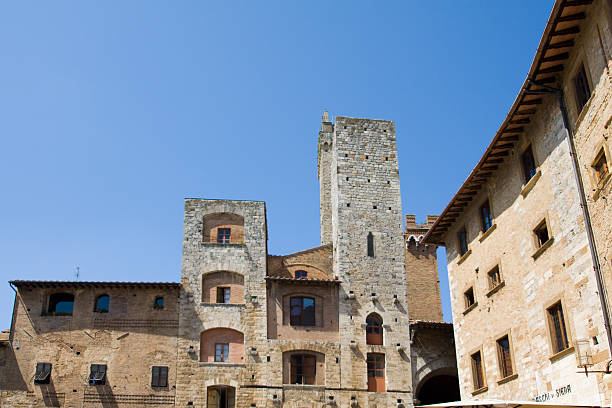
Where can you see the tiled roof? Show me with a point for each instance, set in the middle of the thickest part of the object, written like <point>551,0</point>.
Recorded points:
<point>87,284</point>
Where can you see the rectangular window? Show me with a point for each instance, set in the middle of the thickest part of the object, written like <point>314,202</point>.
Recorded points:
<point>303,369</point>
<point>503,355</point>
<point>302,311</point>
<point>43,373</point>
<point>486,216</point>
<point>529,166</point>
<point>469,297</point>
<point>463,244</point>
<point>600,166</point>
<point>557,327</point>
<point>376,372</point>
<point>97,374</point>
<point>477,374</point>
<point>541,234</point>
<point>370,245</point>
<point>221,352</point>
<point>494,277</point>
<point>582,90</point>
<point>223,295</point>
<point>223,235</point>
<point>159,376</point>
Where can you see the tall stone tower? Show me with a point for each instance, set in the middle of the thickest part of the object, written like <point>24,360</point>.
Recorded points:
<point>361,214</point>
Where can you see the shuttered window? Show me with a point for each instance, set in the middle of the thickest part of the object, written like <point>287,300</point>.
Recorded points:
<point>477,373</point>
<point>303,369</point>
<point>43,373</point>
<point>503,354</point>
<point>557,327</point>
<point>97,374</point>
<point>159,376</point>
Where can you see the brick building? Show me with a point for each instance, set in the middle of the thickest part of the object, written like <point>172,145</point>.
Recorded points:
<point>528,233</point>
<point>355,322</point>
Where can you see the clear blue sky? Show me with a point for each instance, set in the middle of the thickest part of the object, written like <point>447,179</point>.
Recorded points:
<point>112,112</point>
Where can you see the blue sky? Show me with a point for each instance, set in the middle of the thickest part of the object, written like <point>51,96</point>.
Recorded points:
<point>112,112</point>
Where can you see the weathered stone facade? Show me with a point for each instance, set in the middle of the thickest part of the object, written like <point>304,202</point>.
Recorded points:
<point>327,326</point>
<point>525,298</point>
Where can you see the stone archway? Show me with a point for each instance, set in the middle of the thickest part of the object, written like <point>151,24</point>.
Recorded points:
<point>221,396</point>
<point>438,386</point>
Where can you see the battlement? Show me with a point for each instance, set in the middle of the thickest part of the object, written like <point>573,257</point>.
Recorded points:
<point>412,225</point>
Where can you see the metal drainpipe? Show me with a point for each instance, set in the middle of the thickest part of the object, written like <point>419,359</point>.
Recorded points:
<point>13,315</point>
<point>603,298</point>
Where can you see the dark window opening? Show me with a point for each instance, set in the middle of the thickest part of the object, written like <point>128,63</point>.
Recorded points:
<point>374,329</point>
<point>581,88</point>
<point>303,369</point>
<point>541,233</point>
<point>601,166</point>
<point>61,304</point>
<point>97,374</point>
<point>43,373</point>
<point>486,216</point>
<point>159,376</point>
<point>503,353</point>
<point>376,372</point>
<point>494,277</point>
<point>529,166</point>
<point>557,326</point>
<point>302,311</point>
<point>469,297</point>
<point>159,303</point>
<point>221,352</point>
<point>477,373</point>
<point>102,304</point>
<point>463,244</point>
<point>301,274</point>
<point>223,235</point>
<point>223,295</point>
<point>370,245</point>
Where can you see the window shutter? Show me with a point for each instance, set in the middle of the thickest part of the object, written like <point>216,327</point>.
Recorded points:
<point>163,376</point>
<point>155,377</point>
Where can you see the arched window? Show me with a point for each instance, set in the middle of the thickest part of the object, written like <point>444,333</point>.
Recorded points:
<point>370,245</point>
<point>374,329</point>
<point>102,303</point>
<point>302,311</point>
<point>222,345</point>
<point>61,304</point>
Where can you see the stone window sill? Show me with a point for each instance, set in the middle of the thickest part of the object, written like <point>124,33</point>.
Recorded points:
<point>217,245</point>
<point>469,309</point>
<point>561,354</point>
<point>480,390</point>
<point>543,248</point>
<point>238,305</point>
<point>600,187</point>
<point>464,257</point>
<point>207,364</point>
<point>496,288</point>
<point>487,232</point>
<point>507,379</point>
<point>529,185</point>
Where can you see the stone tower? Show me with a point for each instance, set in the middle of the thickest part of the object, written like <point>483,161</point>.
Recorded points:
<point>361,215</point>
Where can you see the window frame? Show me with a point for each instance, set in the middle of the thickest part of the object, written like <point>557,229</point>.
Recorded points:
<point>298,320</point>
<point>42,375</point>
<point>505,358</point>
<point>494,283</point>
<point>225,294</point>
<point>479,380</point>
<point>371,246</point>
<point>159,379</point>
<point>462,244</point>
<point>528,173</point>
<point>300,274</point>
<point>297,369</point>
<point>373,338</point>
<point>552,329</point>
<point>96,304</point>
<point>486,223</point>
<point>581,75</point>
<point>372,367</point>
<point>156,304</point>
<point>224,354</point>
<point>224,235</point>
<point>97,374</point>
<point>468,304</point>
<point>54,305</point>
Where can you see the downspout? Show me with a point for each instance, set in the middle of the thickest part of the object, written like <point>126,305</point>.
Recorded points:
<point>603,298</point>
<point>13,315</point>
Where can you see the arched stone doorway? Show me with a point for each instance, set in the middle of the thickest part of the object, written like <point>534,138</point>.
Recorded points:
<point>221,396</point>
<point>438,386</point>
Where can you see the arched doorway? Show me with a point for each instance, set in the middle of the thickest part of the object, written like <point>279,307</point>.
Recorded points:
<point>221,396</point>
<point>439,388</point>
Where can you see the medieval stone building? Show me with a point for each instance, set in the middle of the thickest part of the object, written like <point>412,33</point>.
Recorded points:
<point>354,322</point>
<point>528,235</point>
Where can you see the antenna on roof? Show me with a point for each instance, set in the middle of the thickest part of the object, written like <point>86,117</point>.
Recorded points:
<point>77,273</point>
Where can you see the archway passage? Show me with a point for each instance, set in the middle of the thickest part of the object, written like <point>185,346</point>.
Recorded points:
<point>440,388</point>
<point>221,396</point>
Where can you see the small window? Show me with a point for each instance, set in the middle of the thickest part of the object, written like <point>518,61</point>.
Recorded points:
<point>223,295</point>
<point>102,303</point>
<point>302,311</point>
<point>529,166</point>
<point>43,373</point>
<point>371,244</point>
<point>159,376</point>
<point>301,274</point>
<point>303,369</point>
<point>503,354</point>
<point>159,303</point>
<point>486,217</point>
<point>374,329</point>
<point>600,166</point>
<point>463,244</point>
<point>469,297</point>
<point>97,374</point>
<point>223,235</point>
<point>541,234</point>
<point>61,304</point>
<point>376,372</point>
<point>221,352</point>
<point>557,327</point>
<point>582,90</point>
<point>494,277</point>
<point>477,374</point>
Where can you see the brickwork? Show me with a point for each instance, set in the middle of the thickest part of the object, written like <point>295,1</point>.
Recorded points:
<point>213,281</point>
